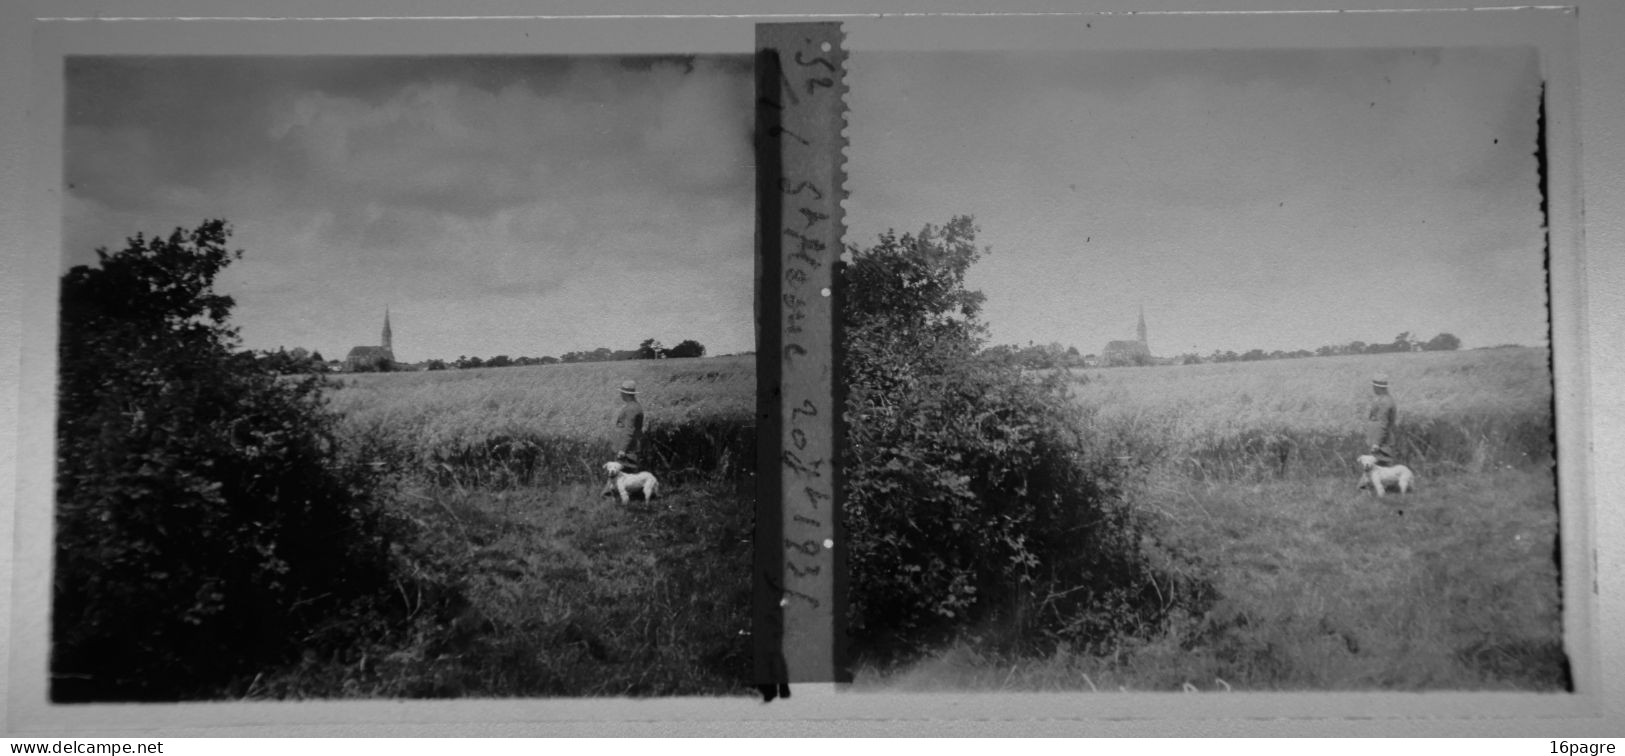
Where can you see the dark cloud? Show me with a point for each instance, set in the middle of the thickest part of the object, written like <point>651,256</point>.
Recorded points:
<point>393,178</point>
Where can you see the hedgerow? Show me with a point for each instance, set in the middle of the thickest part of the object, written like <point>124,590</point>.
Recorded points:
<point>206,526</point>
<point>978,504</point>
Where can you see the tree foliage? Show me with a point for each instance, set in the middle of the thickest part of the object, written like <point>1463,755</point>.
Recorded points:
<point>204,529</point>
<point>1444,342</point>
<point>1404,342</point>
<point>650,349</point>
<point>299,361</point>
<point>687,348</point>
<point>371,364</point>
<point>1037,356</point>
<point>974,495</point>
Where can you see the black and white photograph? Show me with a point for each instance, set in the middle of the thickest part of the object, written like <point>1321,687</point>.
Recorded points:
<point>442,371</point>
<point>404,377</point>
<point>1200,370</point>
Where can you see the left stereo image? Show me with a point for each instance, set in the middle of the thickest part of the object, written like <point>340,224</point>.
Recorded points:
<point>405,377</point>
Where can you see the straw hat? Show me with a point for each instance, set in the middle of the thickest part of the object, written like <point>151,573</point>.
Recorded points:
<point>629,387</point>
<point>1380,380</point>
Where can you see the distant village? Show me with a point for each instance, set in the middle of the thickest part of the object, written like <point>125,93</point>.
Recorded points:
<point>1134,352</point>
<point>381,358</point>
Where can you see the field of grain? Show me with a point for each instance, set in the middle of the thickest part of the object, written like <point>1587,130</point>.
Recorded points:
<point>1247,469</point>
<point>1460,411</point>
<point>492,426</point>
<point>541,586</point>
<point>1315,585</point>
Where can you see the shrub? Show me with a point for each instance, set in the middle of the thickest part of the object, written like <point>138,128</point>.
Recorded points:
<point>687,348</point>
<point>1444,342</point>
<point>975,500</point>
<point>203,527</point>
<point>297,362</point>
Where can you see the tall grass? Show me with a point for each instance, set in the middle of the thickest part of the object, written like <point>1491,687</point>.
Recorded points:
<point>1305,418</point>
<point>518,425</point>
<point>528,582</point>
<point>1248,472</point>
<point>1323,587</point>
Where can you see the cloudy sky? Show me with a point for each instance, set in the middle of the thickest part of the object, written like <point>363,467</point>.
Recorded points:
<point>1247,199</point>
<point>496,205</point>
<point>536,205</point>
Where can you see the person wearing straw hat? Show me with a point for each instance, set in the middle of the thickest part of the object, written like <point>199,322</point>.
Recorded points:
<point>1380,419</point>
<point>628,430</point>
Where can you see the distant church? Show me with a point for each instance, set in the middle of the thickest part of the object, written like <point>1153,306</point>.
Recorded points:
<point>1137,352</point>
<point>364,359</point>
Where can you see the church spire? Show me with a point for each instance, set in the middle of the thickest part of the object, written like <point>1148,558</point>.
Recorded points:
<point>388,336</point>
<point>1141,330</point>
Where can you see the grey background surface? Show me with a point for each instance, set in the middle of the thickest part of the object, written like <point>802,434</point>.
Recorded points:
<point>1585,57</point>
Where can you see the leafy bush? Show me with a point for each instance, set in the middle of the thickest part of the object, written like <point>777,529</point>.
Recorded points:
<point>687,348</point>
<point>976,500</point>
<point>297,362</point>
<point>204,529</point>
<point>1444,342</point>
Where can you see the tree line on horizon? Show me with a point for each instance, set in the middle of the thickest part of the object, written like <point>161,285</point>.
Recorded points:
<point>300,360</point>
<point>650,349</point>
<point>1032,356</point>
<point>1404,342</point>
<point>1055,355</point>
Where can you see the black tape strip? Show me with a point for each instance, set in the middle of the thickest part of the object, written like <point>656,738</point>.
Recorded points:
<point>767,615</point>
<point>800,119</point>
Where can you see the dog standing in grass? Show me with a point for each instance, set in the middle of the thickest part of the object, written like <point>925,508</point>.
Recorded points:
<point>1380,478</point>
<point>628,483</point>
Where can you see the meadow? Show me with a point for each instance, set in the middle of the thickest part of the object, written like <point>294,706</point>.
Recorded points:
<point>517,425</point>
<point>1246,469</point>
<point>1312,584</point>
<point>540,586</point>
<point>1461,411</point>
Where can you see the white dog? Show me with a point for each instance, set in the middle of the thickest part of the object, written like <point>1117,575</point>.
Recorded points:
<point>1379,478</point>
<point>627,483</point>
